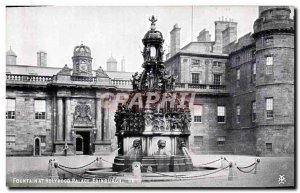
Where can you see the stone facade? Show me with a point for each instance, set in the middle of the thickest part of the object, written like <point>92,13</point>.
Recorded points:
<point>247,129</point>
<point>76,112</point>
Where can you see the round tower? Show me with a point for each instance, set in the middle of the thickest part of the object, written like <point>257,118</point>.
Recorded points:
<point>11,57</point>
<point>274,35</point>
<point>82,61</point>
<point>111,64</point>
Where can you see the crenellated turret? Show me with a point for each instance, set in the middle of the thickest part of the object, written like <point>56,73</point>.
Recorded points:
<point>274,36</point>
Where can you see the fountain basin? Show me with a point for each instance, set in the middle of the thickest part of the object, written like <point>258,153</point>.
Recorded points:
<point>173,163</point>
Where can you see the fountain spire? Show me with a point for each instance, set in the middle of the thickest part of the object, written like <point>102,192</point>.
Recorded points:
<point>148,130</point>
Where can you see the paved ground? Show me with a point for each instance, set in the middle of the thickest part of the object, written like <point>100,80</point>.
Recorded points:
<point>270,169</point>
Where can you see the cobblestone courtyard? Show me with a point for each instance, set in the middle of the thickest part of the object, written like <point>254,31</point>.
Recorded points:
<point>270,170</point>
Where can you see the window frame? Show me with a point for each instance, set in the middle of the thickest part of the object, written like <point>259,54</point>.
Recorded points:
<point>200,141</point>
<point>218,82</point>
<point>196,115</point>
<point>253,73</point>
<point>268,149</point>
<point>221,118</point>
<point>269,112</point>
<point>238,77</point>
<point>269,65</point>
<point>40,115</point>
<point>238,113</point>
<point>221,142</point>
<point>10,142</point>
<point>193,76</point>
<point>9,114</point>
<point>253,111</point>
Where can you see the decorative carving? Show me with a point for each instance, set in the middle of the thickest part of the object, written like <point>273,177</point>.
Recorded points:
<point>82,114</point>
<point>100,73</point>
<point>66,71</point>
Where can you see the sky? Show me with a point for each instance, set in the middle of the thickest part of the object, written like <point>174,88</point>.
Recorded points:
<point>115,30</point>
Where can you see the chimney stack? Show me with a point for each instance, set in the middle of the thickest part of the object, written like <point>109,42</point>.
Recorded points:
<point>42,58</point>
<point>123,64</point>
<point>225,33</point>
<point>175,40</point>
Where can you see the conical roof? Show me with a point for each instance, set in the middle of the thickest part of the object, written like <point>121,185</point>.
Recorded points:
<point>111,60</point>
<point>10,52</point>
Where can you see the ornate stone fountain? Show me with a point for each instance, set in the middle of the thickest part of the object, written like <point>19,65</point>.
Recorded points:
<point>152,127</point>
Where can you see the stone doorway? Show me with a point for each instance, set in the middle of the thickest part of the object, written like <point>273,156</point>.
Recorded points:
<point>79,144</point>
<point>37,146</point>
<point>83,143</point>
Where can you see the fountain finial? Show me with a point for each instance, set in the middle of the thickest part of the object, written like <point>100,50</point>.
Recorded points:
<point>153,20</point>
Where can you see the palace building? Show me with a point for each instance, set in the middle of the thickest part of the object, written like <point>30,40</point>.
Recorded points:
<point>244,94</point>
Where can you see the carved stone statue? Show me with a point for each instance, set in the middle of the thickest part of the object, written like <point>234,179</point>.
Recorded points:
<point>66,71</point>
<point>161,148</point>
<point>135,81</point>
<point>124,125</point>
<point>135,150</point>
<point>100,73</point>
<point>181,145</point>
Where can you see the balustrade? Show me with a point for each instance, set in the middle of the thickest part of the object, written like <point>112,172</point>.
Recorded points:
<point>28,78</point>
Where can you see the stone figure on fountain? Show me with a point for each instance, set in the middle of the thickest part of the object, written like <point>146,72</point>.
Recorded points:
<point>135,150</point>
<point>162,148</point>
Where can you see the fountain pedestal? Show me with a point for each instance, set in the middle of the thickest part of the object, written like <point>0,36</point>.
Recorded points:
<point>152,127</point>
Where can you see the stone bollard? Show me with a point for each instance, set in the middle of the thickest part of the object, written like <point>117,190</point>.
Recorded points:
<point>222,162</point>
<point>49,168</point>
<point>137,174</point>
<point>232,171</point>
<point>257,166</point>
<point>54,171</point>
<point>99,162</point>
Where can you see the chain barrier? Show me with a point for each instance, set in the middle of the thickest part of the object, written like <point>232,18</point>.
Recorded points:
<point>241,168</point>
<point>247,166</point>
<point>246,171</point>
<point>210,162</point>
<point>106,160</point>
<point>186,177</point>
<point>179,177</point>
<point>79,166</point>
<point>80,176</point>
<point>205,174</point>
<point>69,172</point>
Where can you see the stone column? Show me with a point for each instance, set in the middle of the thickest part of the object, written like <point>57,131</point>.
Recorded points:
<point>59,129</point>
<point>106,136</point>
<point>68,119</point>
<point>147,146</point>
<point>173,147</point>
<point>98,119</point>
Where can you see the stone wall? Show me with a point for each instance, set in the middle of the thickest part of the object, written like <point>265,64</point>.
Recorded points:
<point>25,127</point>
<point>209,128</point>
